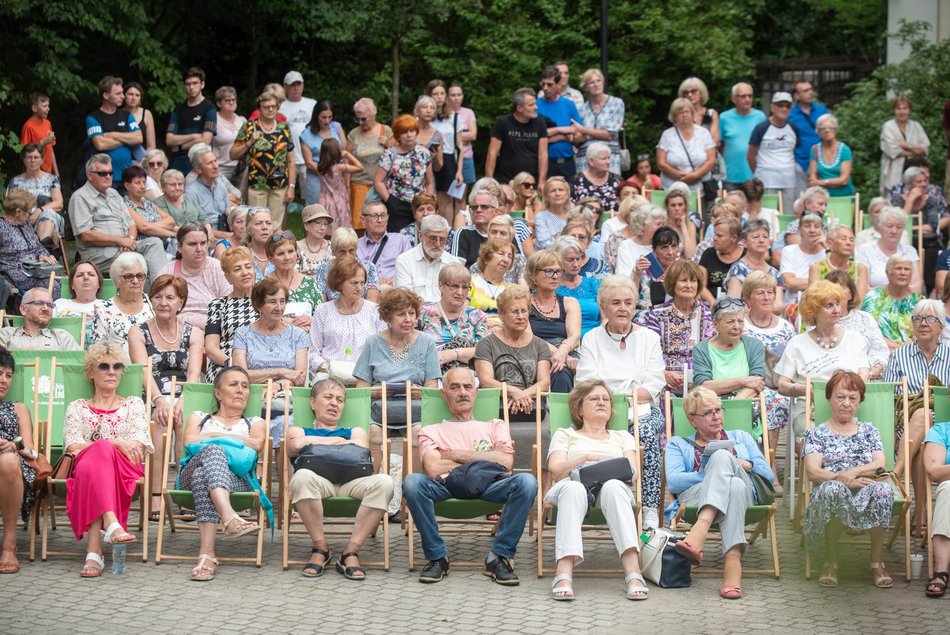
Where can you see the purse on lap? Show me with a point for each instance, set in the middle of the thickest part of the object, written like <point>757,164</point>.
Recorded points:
<point>337,463</point>
<point>593,475</point>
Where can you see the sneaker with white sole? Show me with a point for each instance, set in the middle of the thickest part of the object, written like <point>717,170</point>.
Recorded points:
<point>650,519</point>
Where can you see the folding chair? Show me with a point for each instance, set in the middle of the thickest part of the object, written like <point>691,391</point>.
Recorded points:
<point>738,414</point>
<point>106,293</point>
<point>356,414</point>
<point>625,410</point>
<point>938,400</point>
<point>657,197</point>
<point>784,220</point>
<point>878,410</point>
<point>194,397</point>
<point>773,201</point>
<point>75,326</point>
<point>841,208</point>
<point>459,516</point>
<point>77,386</point>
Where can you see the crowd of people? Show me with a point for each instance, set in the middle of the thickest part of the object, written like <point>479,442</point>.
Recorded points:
<point>551,272</point>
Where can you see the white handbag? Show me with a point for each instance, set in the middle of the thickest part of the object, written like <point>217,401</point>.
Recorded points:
<point>677,574</point>
<point>342,371</point>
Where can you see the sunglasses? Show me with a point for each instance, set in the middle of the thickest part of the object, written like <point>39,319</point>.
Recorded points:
<point>478,207</point>
<point>129,277</point>
<point>728,302</point>
<point>529,186</point>
<point>105,367</point>
<point>282,236</point>
<point>102,172</point>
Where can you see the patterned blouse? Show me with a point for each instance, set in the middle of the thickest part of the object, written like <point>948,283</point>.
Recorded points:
<point>109,322</point>
<point>267,157</point>
<point>678,335</point>
<point>43,185</point>
<point>85,424</point>
<point>336,337</point>
<point>610,118</point>
<point>146,210</point>
<point>168,364</point>
<point>840,453</point>
<point>547,225</point>
<point>893,316</point>
<point>19,244</point>
<point>466,330</point>
<point>323,270</point>
<point>225,316</point>
<point>582,187</point>
<point>405,172</point>
<point>740,270</point>
<point>307,292</point>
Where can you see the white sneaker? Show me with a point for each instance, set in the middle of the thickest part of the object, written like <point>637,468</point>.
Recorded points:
<point>650,519</point>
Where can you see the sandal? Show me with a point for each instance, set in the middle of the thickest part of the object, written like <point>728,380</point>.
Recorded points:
<point>636,592</point>
<point>9,567</point>
<point>688,551</point>
<point>116,535</point>
<point>883,581</point>
<point>829,575</point>
<point>243,528</point>
<point>563,593</point>
<point>202,572</point>
<point>730,592</point>
<point>155,513</point>
<point>938,582</point>
<point>314,570</point>
<point>350,573</point>
<point>90,571</point>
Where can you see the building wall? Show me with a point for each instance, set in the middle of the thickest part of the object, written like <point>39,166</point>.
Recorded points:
<point>934,12</point>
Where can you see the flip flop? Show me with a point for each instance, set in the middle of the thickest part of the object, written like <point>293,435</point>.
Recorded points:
<point>688,551</point>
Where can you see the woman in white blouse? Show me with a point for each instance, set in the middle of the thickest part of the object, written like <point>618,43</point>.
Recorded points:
<point>901,137</point>
<point>874,255</point>
<point>628,358</point>
<point>686,151</point>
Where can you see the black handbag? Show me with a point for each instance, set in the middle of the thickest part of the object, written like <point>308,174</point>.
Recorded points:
<point>763,489</point>
<point>337,463</point>
<point>594,475</point>
<point>470,480</point>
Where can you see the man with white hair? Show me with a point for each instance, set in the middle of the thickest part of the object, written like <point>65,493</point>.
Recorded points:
<point>735,129</point>
<point>207,189</point>
<point>102,224</point>
<point>35,334</point>
<point>298,110</point>
<point>418,269</point>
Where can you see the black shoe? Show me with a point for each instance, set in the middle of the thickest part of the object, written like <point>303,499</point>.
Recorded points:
<point>501,572</point>
<point>435,570</point>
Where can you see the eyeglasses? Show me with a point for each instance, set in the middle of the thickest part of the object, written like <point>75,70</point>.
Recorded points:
<point>478,207</point>
<point>155,164</point>
<point>377,216</point>
<point>744,96</point>
<point>728,302</point>
<point>691,91</point>
<point>436,239</point>
<point>282,236</point>
<point>459,287</point>
<point>105,367</point>
<point>916,319</point>
<point>41,303</point>
<point>552,273</point>
<point>709,414</point>
<point>826,128</point>
<point>102,172</point>
<point>362,119</point>
<point>129,277</point>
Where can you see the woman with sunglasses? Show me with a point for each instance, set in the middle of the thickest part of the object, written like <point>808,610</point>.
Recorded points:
<point>260,227</point>
<point>305,295</point>
<point>112,318</point>
<point>694,89</point>
<point>554,318</point>
<point>525,187</point>
<point>730,364</point>
<point>108,434</point>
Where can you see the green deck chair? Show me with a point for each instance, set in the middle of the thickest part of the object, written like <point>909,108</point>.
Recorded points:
<point>559,417</point>
<point>878,410</point>
<point>784,220</point>
<point>356,414</point>
<point>771,201</point>
<point>198,396</point>
<point>939,400</point>
<point>517,213</point>
<point>458,515</point>
<point>107,292</point>
<point>842,209</point>
<point>737,415</point>
<point>75,326</point>
<point>76,386</point>
<point>657,197</point>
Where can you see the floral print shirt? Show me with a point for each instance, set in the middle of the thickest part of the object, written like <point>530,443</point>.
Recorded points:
<point>893,316</point>
<point>109,322</point>
<point>406,173</point>
<point>678,334</point>
<point>267,157</point>
<point>581,187</point>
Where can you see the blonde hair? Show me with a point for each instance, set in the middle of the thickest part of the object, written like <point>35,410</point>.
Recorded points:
<point>679,105</point>
<point>513,293</point>
<point>697,397</point>
<point>538,261</point>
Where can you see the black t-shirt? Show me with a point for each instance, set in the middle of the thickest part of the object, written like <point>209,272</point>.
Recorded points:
<point>717,269</point>
<point>185,119</point>
<point>519,146</point>
<point>469,243</point>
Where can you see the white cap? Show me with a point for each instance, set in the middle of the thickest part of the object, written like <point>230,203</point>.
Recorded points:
<point>777,98</point>
<point>293,77</point>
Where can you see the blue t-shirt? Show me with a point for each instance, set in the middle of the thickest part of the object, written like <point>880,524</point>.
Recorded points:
<point>376,363</point>
<point>560,112</point>
<point>98,123</point>
<point>735,131</point>
<point>315,141</point>
<point>277,350</point>
<point>805,128</point>
<point>940,435</point>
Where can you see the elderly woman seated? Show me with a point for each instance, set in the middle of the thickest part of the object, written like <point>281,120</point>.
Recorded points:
<point>502,227</point>
<point>495,258</point>
<point>937,464</point>
<point>109,437</point>
<point>205,468</point>
<point>628,359</point>
<point>456,326</point>
<point>891,222</point>
<point>113,318</point>
<point>16,475</point>
<point>843,457</point>
<point>643,223</point>
<point>892,304</point>
<point>553,317</point>
<point>574,284</point>
<point>717,483</point>
<point>343,243</point>
<point>854,319</point>
<point>840,241</point>
<point>729,363</point>
<point>587,441</point>
<point>308,489</point>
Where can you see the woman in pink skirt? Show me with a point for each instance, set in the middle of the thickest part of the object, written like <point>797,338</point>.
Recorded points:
<point>109,435</point>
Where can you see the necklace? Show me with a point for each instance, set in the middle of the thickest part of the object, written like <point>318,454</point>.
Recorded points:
<point>761,326</point>
<point>622,338</point>
<point>162,335</point>
<point>405,351</point>
<point>549,314</point>
<point>494,290</point>
<point>289,285</point>
<point>828,343</point>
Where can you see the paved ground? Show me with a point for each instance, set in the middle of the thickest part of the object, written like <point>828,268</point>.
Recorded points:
<point>51,598</point>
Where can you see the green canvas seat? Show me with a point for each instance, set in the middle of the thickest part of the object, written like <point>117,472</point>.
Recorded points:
<point>106,293</point>
<point>658,197</point>
<point>75,326</point>
<point>771,201</point>
<point>842,209</point>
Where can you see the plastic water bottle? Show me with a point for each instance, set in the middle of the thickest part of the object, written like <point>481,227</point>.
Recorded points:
<point>118,559</point>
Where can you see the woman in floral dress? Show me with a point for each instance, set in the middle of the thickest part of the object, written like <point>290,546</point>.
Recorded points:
<point>404,172</point>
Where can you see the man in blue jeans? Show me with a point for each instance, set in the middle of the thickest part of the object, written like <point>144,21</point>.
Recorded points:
<point>447,445</point>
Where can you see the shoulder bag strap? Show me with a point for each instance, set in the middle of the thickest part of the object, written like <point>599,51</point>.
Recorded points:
<point>379,250</point>
<point>685,149</point>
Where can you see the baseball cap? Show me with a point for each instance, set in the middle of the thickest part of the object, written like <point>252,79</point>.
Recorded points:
<point>777,98</point>
<point>293,77</point>
<point>315,211</point>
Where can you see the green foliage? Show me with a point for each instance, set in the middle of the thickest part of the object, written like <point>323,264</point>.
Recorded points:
<point>923,78</point>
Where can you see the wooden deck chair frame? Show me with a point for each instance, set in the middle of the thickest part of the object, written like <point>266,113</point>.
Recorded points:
<point>625,410</point>
<point>901,507</point>
<point>938,401</point>
<point>760,519</point>
<point>131,385</point>
<point>335,507</point>
<point>240,500</point>
<point>460,516</point>
<point>67,324</point>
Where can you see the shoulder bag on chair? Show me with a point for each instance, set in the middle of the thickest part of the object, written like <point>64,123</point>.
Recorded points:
<point>660,562</point>
<point>337,463</point>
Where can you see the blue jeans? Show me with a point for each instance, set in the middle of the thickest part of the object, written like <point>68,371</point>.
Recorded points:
<point>517,492</point>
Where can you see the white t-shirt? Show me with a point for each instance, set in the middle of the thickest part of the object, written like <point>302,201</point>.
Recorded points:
<point>871,256</point>
<point>68,307</point>
<point>775,160</point>
<point>445,127</point>
<point>577,445</point>
<point>298,115</point>
<point>796,261</point>
<point>685,154</point>
<point>627,255</point>
<point>611,226</point>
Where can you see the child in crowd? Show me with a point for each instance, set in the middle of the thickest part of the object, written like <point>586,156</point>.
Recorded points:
<point>38,129</point>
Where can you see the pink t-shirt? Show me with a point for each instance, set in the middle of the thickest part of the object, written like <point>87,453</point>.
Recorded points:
<point>203,287</point>
<point>475,436</point>
<point>467,115</point>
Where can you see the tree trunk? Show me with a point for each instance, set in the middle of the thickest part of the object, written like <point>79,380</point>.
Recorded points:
<point>395,86</point>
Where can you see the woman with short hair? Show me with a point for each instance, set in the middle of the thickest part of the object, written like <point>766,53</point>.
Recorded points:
<point>180,205</point>
<point>495,258</point>
<point>892,305</point>
<point>304,295</point>
<point>602,120</point>
<point>642,223</point>
<point>862,323</point>
<point>19,243</point>
<point>456,325</point>
<point>113,318</point>
<point>892,222</point>
<point>548,223</point>
<point>694,89</point>
<point>229,124</point>
<point>830,160</point>
<point>901,138</point>
<point>840,241</point>
<point>237,221</point>
<point>573,284</point>
<point>596,180</point>
<point>554,318</point>
<point>686,151</point>
<point>757,238</point>
<point>201,273</point>
<point>260,228</point>
<point>343,243</point>
<point>229,313</point>
<point>46,216</point>
<point>367,142</point>
<point>404,171</point>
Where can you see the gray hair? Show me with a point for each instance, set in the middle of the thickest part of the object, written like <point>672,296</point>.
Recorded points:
<point>892,212</point>
<point>475,194</point>
<point>97,159</point>
<point>694,82</point>
<point>564,244</point>
<point>596,148</point>
<point>835,229</point>
<point>810,217</point>
<point>32,293</point>
<point>434,223</point>
<point>520,95</point>
<point>643,215</point>
<point>829,118</point>
<point>877,201</point>
<point>196,154</point>
<point>454,271</point>
<point>912,173</point>
<point>375,203</point>
<point>718,310</point>
<point>423,99</point>
<point>445,375</point>
<point>583,214</point>
<point>614,282</point>
<point>899,258</point>
<point>170,174</point>
<point>155,152</point>
<point>343,237</point>
<point>814,191</point>
<point>735,87</point>
<point>485,184</point>
<point>756,224</point>
<point>125,261</point>
<point>928,306</point>
<point>367,105</point>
